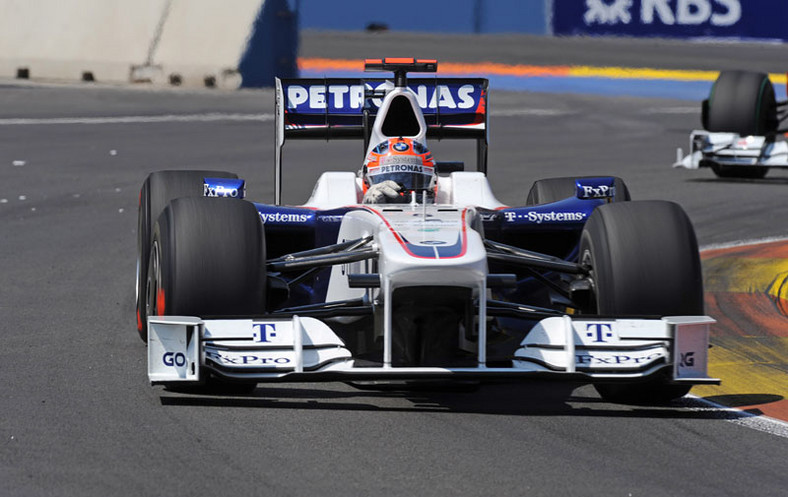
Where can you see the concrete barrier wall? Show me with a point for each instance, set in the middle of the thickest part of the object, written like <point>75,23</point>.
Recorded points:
<point>162,41</point>
<point>205,38</point>
<point>56,39</point>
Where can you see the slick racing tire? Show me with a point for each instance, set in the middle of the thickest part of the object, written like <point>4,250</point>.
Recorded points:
<point>207,259</point>
<point>741,102</point>
<point>644,262</point>
<point>743,172</point>
<point>157,191</point>
<point>545,191</point>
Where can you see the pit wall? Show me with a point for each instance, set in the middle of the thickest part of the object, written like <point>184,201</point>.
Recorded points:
<point>199,42</point>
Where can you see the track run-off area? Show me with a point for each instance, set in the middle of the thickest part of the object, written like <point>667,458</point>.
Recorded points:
<point>79,418</point>
<point>746,289</point>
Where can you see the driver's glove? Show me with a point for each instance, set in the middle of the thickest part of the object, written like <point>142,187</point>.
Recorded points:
<point>381,192</point>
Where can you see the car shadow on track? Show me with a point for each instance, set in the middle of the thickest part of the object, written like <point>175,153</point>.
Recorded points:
<point>749,403</point>
<point>520,399</point>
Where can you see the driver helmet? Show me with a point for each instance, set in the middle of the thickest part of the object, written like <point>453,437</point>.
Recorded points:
<point>406,162</point>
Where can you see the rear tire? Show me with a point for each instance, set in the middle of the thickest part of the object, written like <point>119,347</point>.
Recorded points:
<point>157,191</point>
<point>743,172</point>
<point>741,102</point>
<point>545,191</point>
<point>645,262</point>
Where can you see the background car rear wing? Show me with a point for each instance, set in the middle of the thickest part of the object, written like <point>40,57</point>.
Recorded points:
<point>345,108</point>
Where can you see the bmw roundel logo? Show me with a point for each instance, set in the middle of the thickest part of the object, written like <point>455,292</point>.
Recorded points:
<point>400,146</point>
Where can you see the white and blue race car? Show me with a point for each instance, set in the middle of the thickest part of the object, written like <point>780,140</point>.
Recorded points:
<point>579,283</point>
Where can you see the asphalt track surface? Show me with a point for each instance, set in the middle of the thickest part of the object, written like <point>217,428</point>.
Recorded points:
<point>77,416</point>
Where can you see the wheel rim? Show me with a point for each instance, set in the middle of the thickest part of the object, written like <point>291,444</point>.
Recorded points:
<point>153,286</point>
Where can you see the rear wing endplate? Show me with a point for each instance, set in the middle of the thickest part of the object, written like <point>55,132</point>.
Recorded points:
<point>345,108</point>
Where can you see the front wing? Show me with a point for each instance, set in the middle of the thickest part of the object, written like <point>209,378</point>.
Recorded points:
<point>732,149</point>
<point>182,349</point>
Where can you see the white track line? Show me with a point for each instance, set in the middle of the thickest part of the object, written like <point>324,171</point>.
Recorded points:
<point>167,118</point>
<point>672,110</point>
<point>530,112</point>
<point>742,243</point>
<point>758,422</point>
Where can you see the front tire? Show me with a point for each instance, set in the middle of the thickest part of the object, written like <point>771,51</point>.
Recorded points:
<point>207,259</point>
<point>645,262</point>
<point>158,189</point>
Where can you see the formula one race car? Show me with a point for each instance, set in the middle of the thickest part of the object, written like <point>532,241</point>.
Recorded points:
<point>741,136</point>
<point>442,283</point>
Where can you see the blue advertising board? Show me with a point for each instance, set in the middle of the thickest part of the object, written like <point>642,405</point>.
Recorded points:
<point>756,19</point>
<point>433,16</point>
<point>272,46</point>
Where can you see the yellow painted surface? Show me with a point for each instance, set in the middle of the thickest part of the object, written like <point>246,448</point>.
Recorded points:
<point>753,368</point>
<point>641,73</point>
<point>748,366</point>
<point>779,286</point>
<point>745,274</point>
<point>647,73</point>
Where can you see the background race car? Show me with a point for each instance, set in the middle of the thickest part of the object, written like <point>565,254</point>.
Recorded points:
<point>741,136</point>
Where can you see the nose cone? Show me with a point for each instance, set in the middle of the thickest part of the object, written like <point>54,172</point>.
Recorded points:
<point>431,245</point>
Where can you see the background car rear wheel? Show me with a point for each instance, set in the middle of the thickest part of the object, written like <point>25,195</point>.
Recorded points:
<point>741,102</point>
<point>545,191</point>
<point>208,259</point>
<point>158,189</point>
<point>745,172</point>
<point>645,262</point>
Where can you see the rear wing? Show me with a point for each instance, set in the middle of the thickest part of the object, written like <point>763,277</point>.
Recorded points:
<point>346,108</point>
